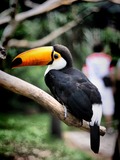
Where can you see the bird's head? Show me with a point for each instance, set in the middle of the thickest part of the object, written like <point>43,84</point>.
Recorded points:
<point>57,57</point>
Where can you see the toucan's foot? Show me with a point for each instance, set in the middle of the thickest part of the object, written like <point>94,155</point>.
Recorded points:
<point>65,112</point>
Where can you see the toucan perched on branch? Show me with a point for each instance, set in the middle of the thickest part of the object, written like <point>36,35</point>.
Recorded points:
<point>68,85</point>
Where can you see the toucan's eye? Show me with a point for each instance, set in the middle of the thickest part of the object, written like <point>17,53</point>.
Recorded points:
<point>56,56</point>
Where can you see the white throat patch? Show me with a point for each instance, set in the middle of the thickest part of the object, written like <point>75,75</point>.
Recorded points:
<point>57,65</point>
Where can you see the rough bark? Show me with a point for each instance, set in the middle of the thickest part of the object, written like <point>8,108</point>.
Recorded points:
<point>21,87</point>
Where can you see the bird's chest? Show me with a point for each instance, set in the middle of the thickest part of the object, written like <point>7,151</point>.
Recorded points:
<point>55,78</point>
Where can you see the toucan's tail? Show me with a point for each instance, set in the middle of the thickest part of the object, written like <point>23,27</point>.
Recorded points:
<point>95,138</point>
<point>94,127</point>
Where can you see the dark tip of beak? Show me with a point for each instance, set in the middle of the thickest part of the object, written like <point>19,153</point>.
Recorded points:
<point>16,62</point>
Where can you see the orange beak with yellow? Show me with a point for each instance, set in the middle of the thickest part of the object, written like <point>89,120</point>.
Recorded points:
<point>37,56</point>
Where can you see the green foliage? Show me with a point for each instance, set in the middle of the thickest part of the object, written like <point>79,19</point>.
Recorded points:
<point>31,29</point>
<point>33,75</point>
<point>21,135</point>
<point>110,35</point>
<point>79,40</point>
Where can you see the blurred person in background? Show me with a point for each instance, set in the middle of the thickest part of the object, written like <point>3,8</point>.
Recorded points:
<point>97,69</point>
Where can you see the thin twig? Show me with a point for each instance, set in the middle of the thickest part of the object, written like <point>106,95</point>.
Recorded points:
<point>50,37</point>
<point>42,8</point>
<point>10,28</point>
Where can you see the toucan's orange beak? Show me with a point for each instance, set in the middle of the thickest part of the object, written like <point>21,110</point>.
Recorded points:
<point>37,56</point>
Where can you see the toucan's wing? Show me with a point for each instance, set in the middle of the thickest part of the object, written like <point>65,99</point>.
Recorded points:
<point>92,93</point>
<point>66,90</point>
<point>85,85</point>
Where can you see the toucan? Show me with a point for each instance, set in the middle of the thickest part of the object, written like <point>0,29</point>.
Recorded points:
<point>68,85</point>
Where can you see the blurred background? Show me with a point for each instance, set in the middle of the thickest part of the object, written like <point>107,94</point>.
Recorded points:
<point>27,130</point>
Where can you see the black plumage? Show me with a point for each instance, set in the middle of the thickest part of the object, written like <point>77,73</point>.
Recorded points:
<point>73,89</point>
<point>68,85</point>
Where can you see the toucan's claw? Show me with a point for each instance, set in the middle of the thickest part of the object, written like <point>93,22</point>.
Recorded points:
<point>65,111</point>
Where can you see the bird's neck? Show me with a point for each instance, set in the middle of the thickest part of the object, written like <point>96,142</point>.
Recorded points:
<point>64,70</point>
<point>60,65</point>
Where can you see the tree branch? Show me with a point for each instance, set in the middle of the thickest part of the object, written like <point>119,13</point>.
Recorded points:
<point>3,53</point>
<point>21,87</point>
<point>30,4</point>
<point>45,7</point>
<point>42,8</point>
<point>45,40</point>
<point>59,31</point>
<point>10,28</point>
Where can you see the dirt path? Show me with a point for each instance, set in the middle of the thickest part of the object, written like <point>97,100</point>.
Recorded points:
<point>81,140</point>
